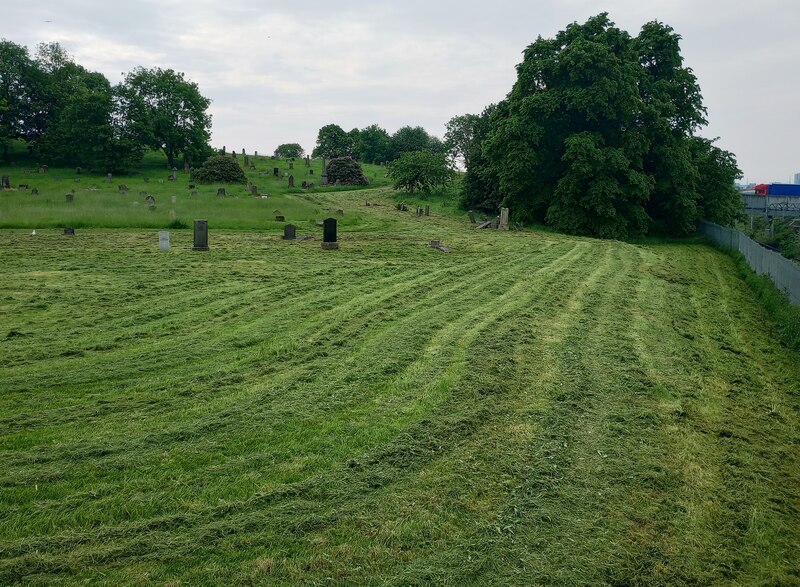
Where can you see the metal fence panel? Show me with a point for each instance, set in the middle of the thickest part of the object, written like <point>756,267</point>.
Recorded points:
<point>784,273</point>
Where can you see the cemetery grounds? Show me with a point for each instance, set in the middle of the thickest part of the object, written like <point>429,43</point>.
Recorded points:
<point>528,409</point>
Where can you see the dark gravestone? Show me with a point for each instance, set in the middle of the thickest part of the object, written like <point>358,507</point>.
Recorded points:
<point>142,194</point>
<point>291,165</point>
<point>6,182</point>
<point>255,154</point>
<point>304,185</point>
<point>276,172</point>
<point>311,172</point>
<point>192,186</point>
<point>221,191</point>
<point>419,211</point>
<point>78,170</point>
<point>108,178</point>
<point>308,162</point>
<point>242,151</point>
<point>246,161</point>
<point>280,219</point>
<point>253,166</point>
<point>151,202</point>
<point>69,231</point>
<point>427,210</point>
<point>34,192</point>
<point>186,168</point>
<point>329,241</point>
<point>254,190</point>
<point>23,186</point>
<point>291,181</point>
<point>70,198</point>
<point>233,155</point>
<point>472,217</point>
<point>122,187</point>
<point>223,149</point>
<point>289,232</point>
<point>340,212</point>
<point>324,172</point>
<point>200,235</point>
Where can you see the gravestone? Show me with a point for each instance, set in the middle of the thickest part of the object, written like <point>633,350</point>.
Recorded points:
<point>6,182</point>
<point>200,235</point>
<point>289,232</point>
<point>186,168</point>
<point>253,166</point>
<point>34,192</point>
<point>22,186</point>
<point>324,172</point>
<point>142,194</point>
<point>419,211</point>
<point>427,210</point>
<point>254,190</point>
<point>280,219</point>
<point>275,171</point>
<point>246,161</point>
<point>223,149</point>
<point>193,194</point>
<point>291,181</point>
<point>108,178</point>
<point>69,231</point>
<point>255,154</point>
<point>496,222</point>
<point>150,201</point>
<point>233,155</point>
<point>192,186</point>
<point>503,218</point>
<point>311,172</point>
<point>78,170</point>
<point>163,240</point>
<point>221,193</point>
<point>276,212</point>
<point>242,151</point>
<point>308,161</point>
<point>472,217</point>
<point>329,241</point>
<point>291,165</point>
<point>160,181</point>
<point>172,215</point>
<point>174,199</point>
<point>304,185</point>
<point>42,170</point>
<point>70,198</point>
<point>122,187</point>
<point>340,212</point>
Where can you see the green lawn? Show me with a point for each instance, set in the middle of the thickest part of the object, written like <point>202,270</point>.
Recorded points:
<point>530,409</point>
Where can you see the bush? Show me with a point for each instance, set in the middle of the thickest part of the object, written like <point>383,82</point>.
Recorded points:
<point>346,171</point>
<point>220,169</point>
<point>421,171</point>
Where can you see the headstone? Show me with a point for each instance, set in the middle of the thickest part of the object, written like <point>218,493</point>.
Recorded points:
<point>255,154</point>
<point>174,199</point>
<point>223,149</point>
<point>275,171</point>
<point>289,232</point>
<point>193,194</point>
<point>78,170</point>
<point>291,181</point>
<point>172,215</point>
<point>41,170</point>
<point>163,240</point>
<point>221,193</point>
<point>503,218</point>
<point>304,185</point>
<point>6,182</point>
<point>70,198</point>
<point>192,186</point>
<point>427,210</point>
<point>34,192</point>
<point>108,178</point>
<point>246,161</point>
<point>253,166</point>
<point>150,201</point>
<point>142,194</point>
<point>186,168</point>
<point>122,187</point>
<point>329,241</point>
<point>311,172</point>
<point>69,231</point>
<point>200,235</point>
<point>308,161</point>
<point>291,165</point>
<point>419,211</point>
<point>160,180</point>
<point>280,219</point>
<point>496,222</point>
<point>233,155</point>
<point>242,151</point>
<point>324,172</point>
<point>22,186</point>
<point>276,212</point>
<point>253,190</point>
<point>472,217</point>
<point>340,212</point>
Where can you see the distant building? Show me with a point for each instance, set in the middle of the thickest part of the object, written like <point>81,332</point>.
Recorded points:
<point>797,177</point>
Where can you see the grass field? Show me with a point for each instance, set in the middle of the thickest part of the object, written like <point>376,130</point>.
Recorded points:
<point>529,409</point>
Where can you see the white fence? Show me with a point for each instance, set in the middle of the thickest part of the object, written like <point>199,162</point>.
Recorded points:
<point>783,272</point>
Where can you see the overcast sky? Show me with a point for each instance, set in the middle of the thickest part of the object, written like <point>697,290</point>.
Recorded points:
<point>277,71</point>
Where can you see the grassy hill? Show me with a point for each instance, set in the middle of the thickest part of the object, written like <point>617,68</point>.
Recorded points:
<point>528,409</point>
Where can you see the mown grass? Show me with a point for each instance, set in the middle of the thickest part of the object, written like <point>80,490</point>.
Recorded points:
<point>530,409</point>
<point>100,204</point>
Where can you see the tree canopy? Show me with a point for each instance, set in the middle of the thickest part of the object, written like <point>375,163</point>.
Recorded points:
<point>421,171</point>
<point>289,151</point>
<point>597,137</point>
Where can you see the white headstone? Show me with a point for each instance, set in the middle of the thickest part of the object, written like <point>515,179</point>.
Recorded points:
<point>163,240</point>
<point>174,199</point>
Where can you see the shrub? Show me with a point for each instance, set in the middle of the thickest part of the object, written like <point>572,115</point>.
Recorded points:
<point>346,171</point>
<point>220,169</point>
<point>421,171</point>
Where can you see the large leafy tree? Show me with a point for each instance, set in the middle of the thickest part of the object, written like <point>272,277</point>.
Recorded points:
<point>167,113</point>
<point>413,138</point>
<point>421,171</point>
<point>289,151</point>
<point>596,136</point>
<point>333,141</point>
<point>373,144</point>
<point>459,135</point>
<point>21,94</point>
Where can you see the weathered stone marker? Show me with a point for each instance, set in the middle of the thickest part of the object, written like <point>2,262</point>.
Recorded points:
<point>253,190</point>
<point>280,218</point>
<point>221,191</point>
<point>503,218</point>
<point>200,235</point>
<point>311,172</point>
<point>6,182</point>
<point>163,240</point>
<point>70,198</point>
<point>324,172</point>
<point>289,232</point>
<point>34,192</point>
<point>472,216</point>
<point>329,241</point>
<point>109,177</point>
<point>291,165</point>
<point>69,231</point>
<point>427,210</point>
<point>174,199</point>
<point>419,211</point>
<point>291,181</point>
<point>186,168</point>
<point>276,172</point>
<point>246,161</point>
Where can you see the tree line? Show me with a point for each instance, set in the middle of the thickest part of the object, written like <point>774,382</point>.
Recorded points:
<point>69,115</point>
